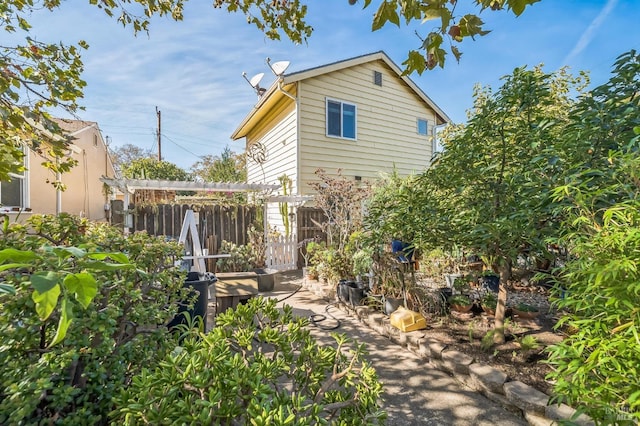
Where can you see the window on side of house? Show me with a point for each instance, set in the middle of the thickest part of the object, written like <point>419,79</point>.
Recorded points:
<point>13,193</point>
<point>422,127</point>
<point>341,119</point>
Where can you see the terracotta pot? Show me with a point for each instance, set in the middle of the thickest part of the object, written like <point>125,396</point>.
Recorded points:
<point>488,310</point>
<point>462,308</point>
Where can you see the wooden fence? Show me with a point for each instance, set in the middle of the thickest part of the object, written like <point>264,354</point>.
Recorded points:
<point>217,223</point>
<point>308,218</point>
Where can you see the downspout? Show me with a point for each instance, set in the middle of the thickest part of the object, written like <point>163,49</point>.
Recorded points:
<point>58,190</point>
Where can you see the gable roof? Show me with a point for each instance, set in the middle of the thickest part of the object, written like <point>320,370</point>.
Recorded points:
<point>274,93</point>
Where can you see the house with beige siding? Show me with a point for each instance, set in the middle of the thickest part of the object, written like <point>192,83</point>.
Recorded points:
<point>32,192</point>
<point>359,115</point>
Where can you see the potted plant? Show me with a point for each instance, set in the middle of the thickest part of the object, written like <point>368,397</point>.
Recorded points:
<point>461,286</point>
<point>362,263</point>
<point>489,302</point>
<point>525,311</point>
<point>306,248</point>
<point>460,303</point>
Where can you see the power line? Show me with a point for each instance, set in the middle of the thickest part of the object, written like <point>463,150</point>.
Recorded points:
<point>182,147</point>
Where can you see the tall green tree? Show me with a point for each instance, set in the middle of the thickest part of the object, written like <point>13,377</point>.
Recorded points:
<point>598,367</point>
<point>483,192</point>
<point>126,154</point>
<point>226,167</point>
<point>149,168</point>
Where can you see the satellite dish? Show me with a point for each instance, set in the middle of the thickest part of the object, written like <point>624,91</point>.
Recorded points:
<point>255,82</point>
<point>256,79</point>
<point>278,68</point>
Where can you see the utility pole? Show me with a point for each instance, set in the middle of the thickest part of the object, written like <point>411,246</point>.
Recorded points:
<point>159,114</point>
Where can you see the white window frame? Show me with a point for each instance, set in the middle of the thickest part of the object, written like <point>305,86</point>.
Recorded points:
<point>355,119</point>
<point>23,177</point>
<point>426,128</point>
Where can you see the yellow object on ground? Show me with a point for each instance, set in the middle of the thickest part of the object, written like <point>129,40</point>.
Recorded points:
<point>407,320</point>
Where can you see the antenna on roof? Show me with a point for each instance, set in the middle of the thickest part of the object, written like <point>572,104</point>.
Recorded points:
<point>278,68</point>
<point>255,83</point>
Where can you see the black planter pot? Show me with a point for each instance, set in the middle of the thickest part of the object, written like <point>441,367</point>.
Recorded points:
<point>356,295</point>
<point>490,282</point>
<point>199,308</point>
<point>343,290</point>
<point>266,279</point>
<point>446,292</point>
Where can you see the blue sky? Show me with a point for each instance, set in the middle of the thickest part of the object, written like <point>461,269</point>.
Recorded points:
<point>192,70</point>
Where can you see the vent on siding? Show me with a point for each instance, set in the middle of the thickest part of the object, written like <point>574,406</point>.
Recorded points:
<point>377,78</point>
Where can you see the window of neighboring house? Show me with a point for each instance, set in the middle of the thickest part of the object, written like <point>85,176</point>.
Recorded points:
<point>423,127</point>
<point>12,193</point>
<point>341,119</point>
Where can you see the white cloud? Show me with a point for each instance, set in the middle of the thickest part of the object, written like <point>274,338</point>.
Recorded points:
<point>590,32</point>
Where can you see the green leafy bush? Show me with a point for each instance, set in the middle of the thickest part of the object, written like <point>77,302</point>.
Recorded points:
<point>258,366</point>
<point>242,258</point>
<point>597,368</point>
<point>111,295</point>
<point>460,300</point>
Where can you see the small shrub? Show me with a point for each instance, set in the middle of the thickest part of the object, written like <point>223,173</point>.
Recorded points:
<point>116,321</point>
<point>242,258</point>
<point>460,300</point>
<point>258,366</point>
<point>490,300</point>
<point>528,343</point>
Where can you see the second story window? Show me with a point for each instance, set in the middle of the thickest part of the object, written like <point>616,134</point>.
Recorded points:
<point>341,119</point>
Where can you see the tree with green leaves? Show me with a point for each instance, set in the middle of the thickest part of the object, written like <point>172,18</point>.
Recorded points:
<point>149,168</point>
<point>37,77</point>
<point>226,167</point>
<point>481,193</point>
<point>450,26</point>
<point>597,367</point>
<point>124,155</point>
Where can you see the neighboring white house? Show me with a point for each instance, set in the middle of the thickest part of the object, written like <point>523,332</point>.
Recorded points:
<point>360,115</point>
